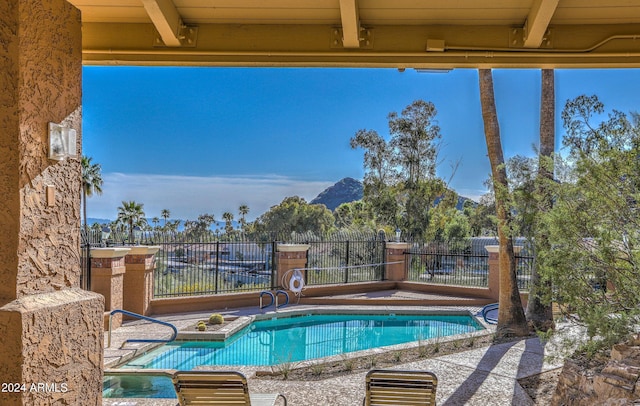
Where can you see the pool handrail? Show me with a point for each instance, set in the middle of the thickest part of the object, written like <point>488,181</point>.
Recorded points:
<point>286,295</point>
<point>266,292</point>
<point>141,340</point>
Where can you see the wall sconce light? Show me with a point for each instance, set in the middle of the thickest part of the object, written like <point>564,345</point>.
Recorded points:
<point>62,142</point>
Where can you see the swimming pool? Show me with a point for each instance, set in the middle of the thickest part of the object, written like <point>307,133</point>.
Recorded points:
<point>281,340</point>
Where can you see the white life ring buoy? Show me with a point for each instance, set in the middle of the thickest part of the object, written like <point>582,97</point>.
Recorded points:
<point>296,283</point>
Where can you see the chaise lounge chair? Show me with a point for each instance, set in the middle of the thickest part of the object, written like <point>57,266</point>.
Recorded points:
<point>391,387</point>
<point>218,388</point>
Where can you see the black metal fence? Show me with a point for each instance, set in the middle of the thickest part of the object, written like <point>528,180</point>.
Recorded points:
<point>211,264</point>
<point>464,263</point>
<point>343,257</point>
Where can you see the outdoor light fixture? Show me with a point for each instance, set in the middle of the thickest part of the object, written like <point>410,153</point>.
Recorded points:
<point>62,142</point>
<point>398,233</point>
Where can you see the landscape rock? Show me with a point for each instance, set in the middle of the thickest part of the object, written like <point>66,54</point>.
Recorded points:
<point>616,384</point>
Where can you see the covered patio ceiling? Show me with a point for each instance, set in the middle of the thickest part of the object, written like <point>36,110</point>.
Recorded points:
<point>426,34</point>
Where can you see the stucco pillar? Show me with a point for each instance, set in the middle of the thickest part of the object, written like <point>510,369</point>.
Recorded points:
<point>51,333</point>
<point>396,269</point>
<point>290,256</point>
<point>494,269</point>
<point>493,279</point>
<point>107,279</point>
<point>140,263</point>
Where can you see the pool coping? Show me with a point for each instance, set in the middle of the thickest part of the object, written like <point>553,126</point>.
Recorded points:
<point>119,353</point>
<point>242,322</point>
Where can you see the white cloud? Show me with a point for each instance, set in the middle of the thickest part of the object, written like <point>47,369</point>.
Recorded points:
<point>188,196</point>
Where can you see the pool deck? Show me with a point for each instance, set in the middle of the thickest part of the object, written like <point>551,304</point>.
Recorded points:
<point>482,376</point>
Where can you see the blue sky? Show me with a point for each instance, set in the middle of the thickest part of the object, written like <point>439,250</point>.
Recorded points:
<point>206,140</point>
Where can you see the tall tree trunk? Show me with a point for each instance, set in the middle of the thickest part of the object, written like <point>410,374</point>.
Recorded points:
<point>511,320</point>
<point>539,314</point>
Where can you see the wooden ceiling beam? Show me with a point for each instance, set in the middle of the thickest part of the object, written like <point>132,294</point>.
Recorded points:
<point>350,23</point>
<point>574,46</point>
<point>538,21</point>
<point>165,17</point>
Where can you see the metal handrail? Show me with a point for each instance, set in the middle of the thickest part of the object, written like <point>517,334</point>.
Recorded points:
<point>141,340</point>
<point>266,292</point>
<point>286,295</point>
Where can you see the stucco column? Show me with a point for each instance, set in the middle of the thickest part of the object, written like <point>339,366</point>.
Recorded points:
<point>493,279</point>
<point>396,269</point>
<point>290,256</point>
<point>107,279</point>
<point>51,333</point>
<point>140,263</point>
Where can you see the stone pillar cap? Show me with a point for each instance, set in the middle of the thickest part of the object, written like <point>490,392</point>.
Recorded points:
<point>496,248</point>
<point>292,247</point>
<point>112,252</point>
<point>144,249</point>
<point>398,245</point>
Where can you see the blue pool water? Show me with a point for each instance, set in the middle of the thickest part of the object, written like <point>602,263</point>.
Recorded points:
<point>137,386</point>
<point>300,338</point>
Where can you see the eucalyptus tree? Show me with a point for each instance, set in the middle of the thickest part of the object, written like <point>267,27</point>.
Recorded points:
<point>295,215</point>
<point>511,318</point>
<point>414,140</point>
<point>400,182</point>
<point>132,215</point>
<point>91,183</point>
<point>354,215</point>
<point>380,175</point>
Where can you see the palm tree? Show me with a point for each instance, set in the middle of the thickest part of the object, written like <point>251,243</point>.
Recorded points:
<point>539,313</point>
<point>227,216</point>
<point>165,214</point>
<point>91,183</point>
<point>511,319</point>
<point>155,222</point>
<point>244,210</point>
<point>131,214</point>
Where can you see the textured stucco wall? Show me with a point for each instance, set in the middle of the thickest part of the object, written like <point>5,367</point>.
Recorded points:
<point>57,340</point>
<point>51,335</point>
<point>40,68</point>
<point>9,164</point>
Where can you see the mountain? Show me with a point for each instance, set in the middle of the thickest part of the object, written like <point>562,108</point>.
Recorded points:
<point>345,191</point>
<point>91,220</point>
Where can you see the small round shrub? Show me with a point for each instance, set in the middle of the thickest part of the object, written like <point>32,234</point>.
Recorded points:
<point>216,318</point>
<point>202,326</point>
